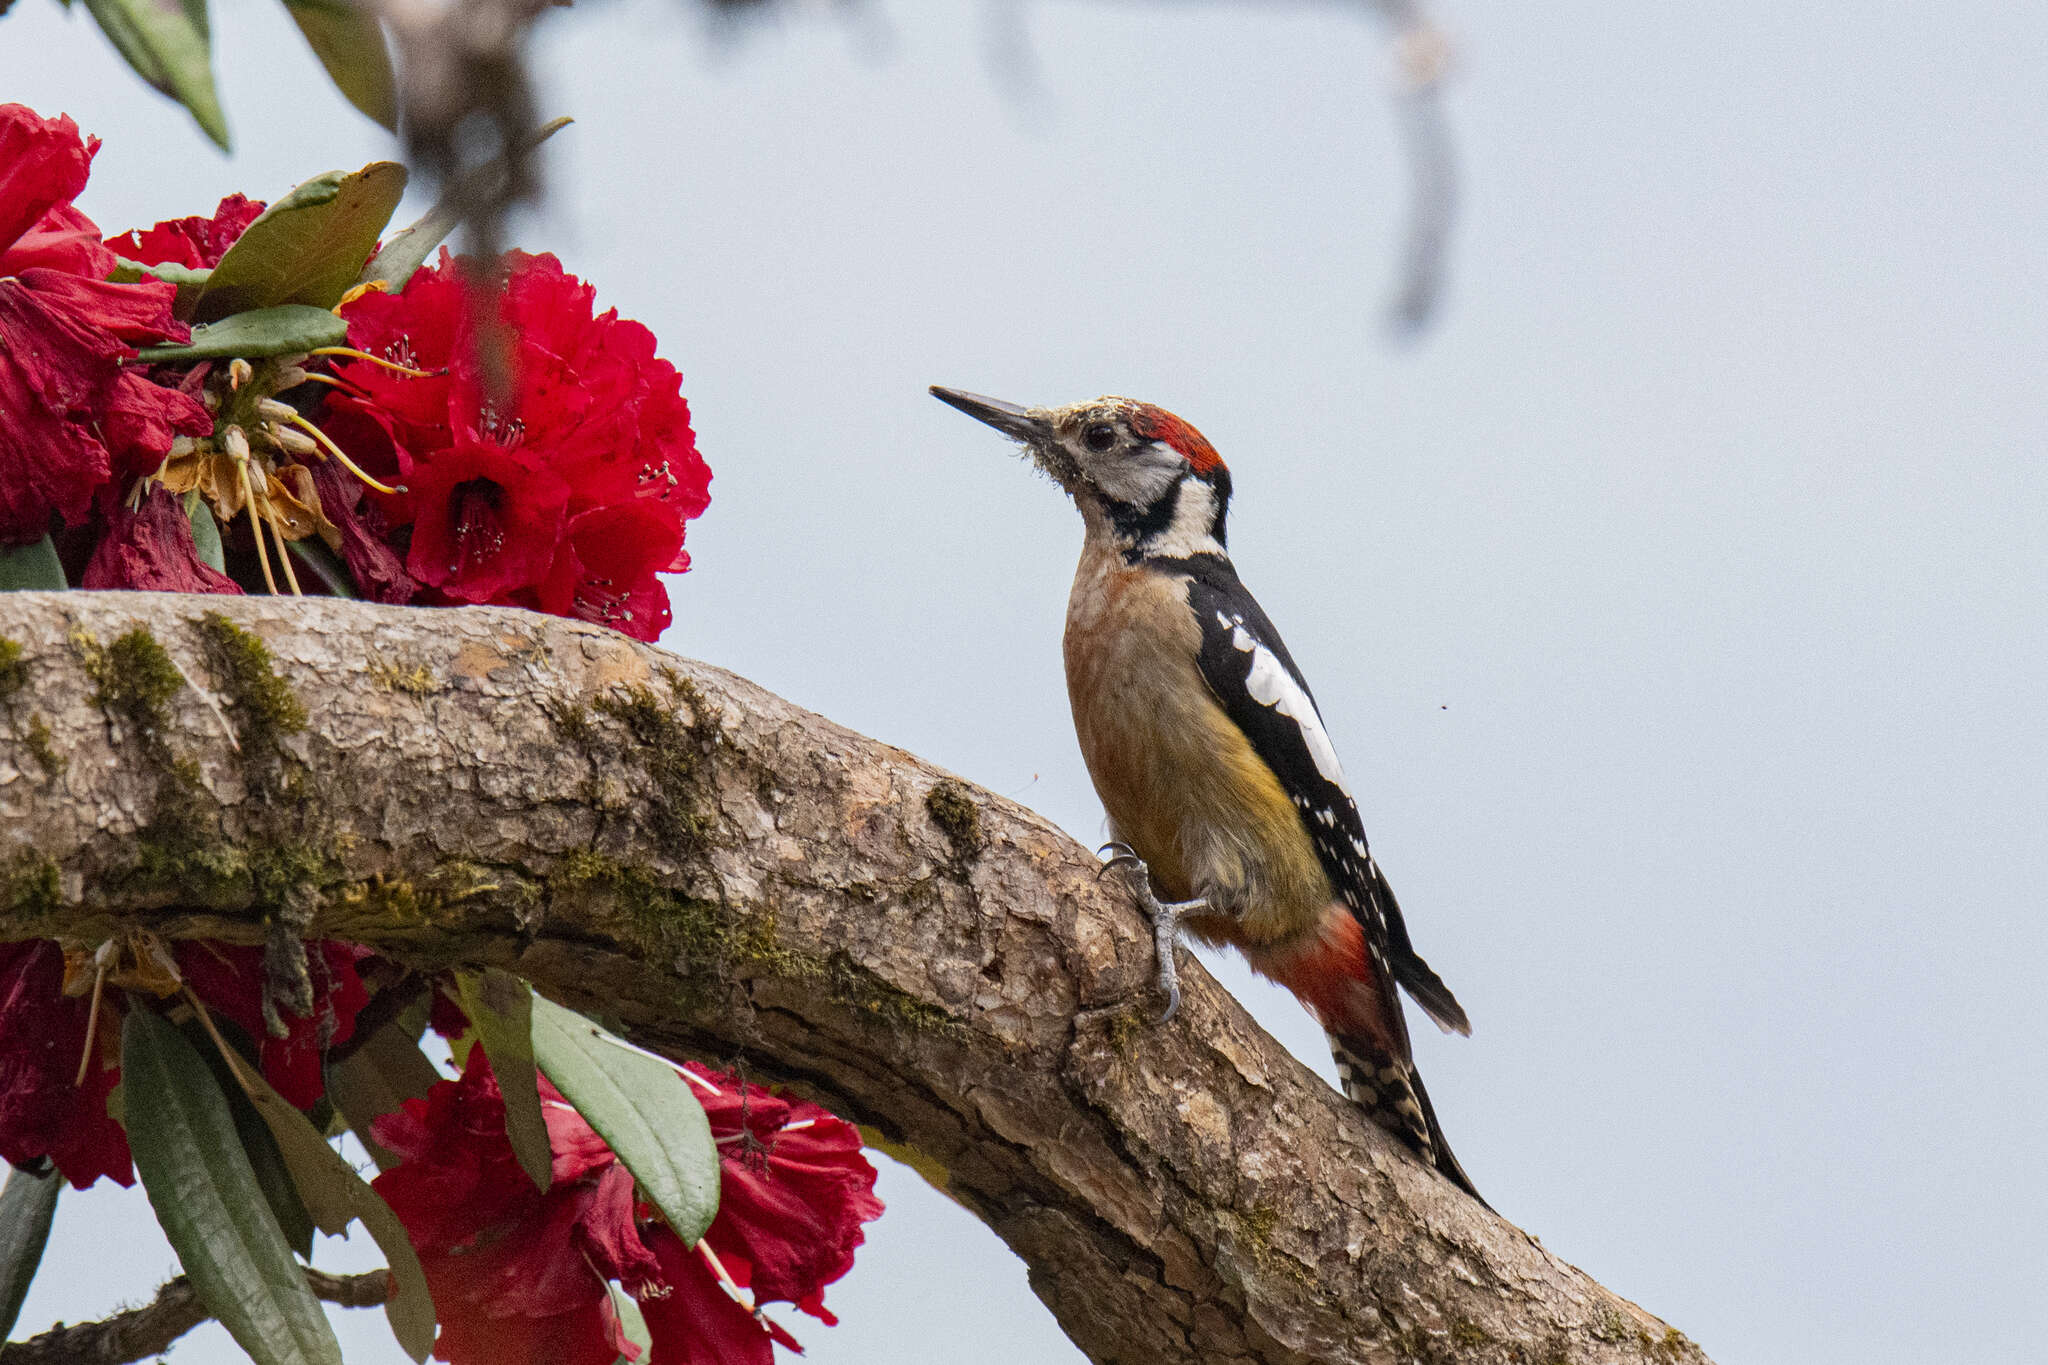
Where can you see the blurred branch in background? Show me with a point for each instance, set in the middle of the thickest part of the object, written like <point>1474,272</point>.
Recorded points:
<point>466,95</point>
<point>150,1330</point>
<point>1422,54</point>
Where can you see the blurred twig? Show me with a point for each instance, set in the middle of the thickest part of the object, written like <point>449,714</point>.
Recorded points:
<point>1422,54</point>
<point>468,98</point>
<point>466,101</point>
<point>149,1331</point>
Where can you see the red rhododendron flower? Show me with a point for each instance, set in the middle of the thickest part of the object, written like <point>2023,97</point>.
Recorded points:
<point>43,166</point>
<point>795,1192</point>
<point>378,572</point>
<point>231,979</point>
<point>68,331</point>
<point>42,1038</point>
<point>196,242</point>
<point>151,547</point>
<point>569,495</point>
<point>138,420</point>
<point>520,1276</point>
<point>517,1275</point>
<point>485,520</point>
<point>698,1322</point>
<point>604,570</point>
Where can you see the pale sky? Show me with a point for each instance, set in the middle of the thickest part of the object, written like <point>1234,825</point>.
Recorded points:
<point>1676,604</point>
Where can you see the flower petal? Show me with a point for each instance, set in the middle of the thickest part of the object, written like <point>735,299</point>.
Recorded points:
<point>697,1322</point>
<point>486,521</point>
<point>43,165</point>
<point>42,1038</point>
<point>151,548</point>
<point>195,242</point>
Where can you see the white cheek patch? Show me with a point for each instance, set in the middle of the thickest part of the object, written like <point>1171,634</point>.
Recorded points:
<point>1189,534</point>
<point>1139,479</point>
<point>1270,684</point>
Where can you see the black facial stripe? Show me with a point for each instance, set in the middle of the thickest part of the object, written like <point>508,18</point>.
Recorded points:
<point>1140,524</point>
<point>1219,480</point>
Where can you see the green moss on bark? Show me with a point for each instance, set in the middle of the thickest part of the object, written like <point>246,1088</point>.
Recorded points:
<point>263,705</point>
<point>953,809</point>
<point>13,669</point>
<point>135,678</point>
<point>731,943</point>
<point>34,732</point>
<point>673,739</point>
<point>30,887</point>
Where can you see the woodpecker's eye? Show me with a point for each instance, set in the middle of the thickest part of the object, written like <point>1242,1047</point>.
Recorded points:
<point>1099,437</point>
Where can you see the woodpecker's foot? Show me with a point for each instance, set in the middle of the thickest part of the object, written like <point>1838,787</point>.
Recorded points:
<point>1165,916</point>
<point>1120,855</point>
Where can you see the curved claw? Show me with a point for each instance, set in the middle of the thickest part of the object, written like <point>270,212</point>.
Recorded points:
<point>1165,917</point>
<point>1124,855</point>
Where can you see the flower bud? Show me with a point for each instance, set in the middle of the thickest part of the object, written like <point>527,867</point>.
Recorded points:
<point>240,372</point>
<point>236,442</point>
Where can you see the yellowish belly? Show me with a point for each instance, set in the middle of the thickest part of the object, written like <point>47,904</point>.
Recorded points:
<point>1181,784</point>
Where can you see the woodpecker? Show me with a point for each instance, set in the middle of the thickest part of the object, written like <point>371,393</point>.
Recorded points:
<point>1222,788</point>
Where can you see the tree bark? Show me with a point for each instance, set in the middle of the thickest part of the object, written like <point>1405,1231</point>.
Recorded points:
<point>724,875</point>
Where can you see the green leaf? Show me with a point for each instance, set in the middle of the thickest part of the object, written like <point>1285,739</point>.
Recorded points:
<point>189,279</point>
<point>265,1161</point>
<point>499,1006</point>
<point>336,1196</point>
<point>289,329</point>
<point>632,1323</point>
<point>272,1170</point>
<point>185,1148</point>
<point>308,247</point>
<point>349,43</point>
<point>205,533</point>
<point>641,1106</point>
<point>30,567</point>
<point>407,249</point>
<point>375,1079</point>
<point>170,47</point>
<point>27,1206</point>
<point>325,564</point>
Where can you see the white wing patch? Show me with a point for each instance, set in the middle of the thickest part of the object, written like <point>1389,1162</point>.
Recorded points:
<point>1270,684</point>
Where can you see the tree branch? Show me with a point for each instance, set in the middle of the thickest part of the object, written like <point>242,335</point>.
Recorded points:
<point>719,872</point>
<point>149,1331</point>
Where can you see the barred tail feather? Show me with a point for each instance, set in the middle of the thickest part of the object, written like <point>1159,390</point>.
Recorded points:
<point>1346,980</point>
<point>1390,1091</point>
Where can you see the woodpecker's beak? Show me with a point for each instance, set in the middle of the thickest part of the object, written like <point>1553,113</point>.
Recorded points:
<point>1013,421</point>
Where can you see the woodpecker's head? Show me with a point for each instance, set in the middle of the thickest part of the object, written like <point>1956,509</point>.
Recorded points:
<point>1139,474</point>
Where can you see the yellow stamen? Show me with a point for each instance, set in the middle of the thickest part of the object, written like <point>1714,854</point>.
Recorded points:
<point>227,1054</point>
<point>352,353</point>
<point>92,1024</point>
<point>367,287</point>
<point>338,453</point>
<point>268,514</point>
<point>249,501</point>
<point>739,1295</point>
<point>284,556</point>
<point>703,1248</point>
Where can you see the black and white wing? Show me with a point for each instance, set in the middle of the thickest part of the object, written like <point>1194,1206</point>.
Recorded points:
<point>1248,668</point>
